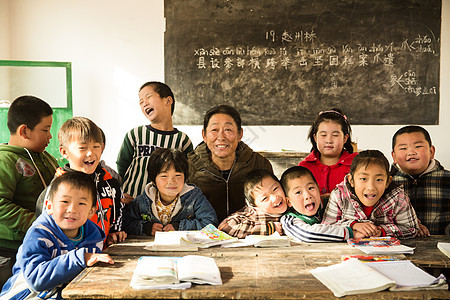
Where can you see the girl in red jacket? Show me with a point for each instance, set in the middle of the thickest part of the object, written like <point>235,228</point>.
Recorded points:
<point>332,151</point>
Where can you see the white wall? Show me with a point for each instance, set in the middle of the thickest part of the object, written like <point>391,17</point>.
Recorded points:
<point>117,45</point>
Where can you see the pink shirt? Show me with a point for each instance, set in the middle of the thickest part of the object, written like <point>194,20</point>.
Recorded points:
<point>328,176</point>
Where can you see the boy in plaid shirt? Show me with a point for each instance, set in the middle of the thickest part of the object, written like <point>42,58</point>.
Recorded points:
<point>266,203</point>
<point>425,181</point>
<point>368,201</point>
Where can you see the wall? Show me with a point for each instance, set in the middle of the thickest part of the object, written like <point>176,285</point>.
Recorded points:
<point>116,45</point>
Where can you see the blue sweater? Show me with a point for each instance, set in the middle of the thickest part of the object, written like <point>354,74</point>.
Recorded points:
<point>194,211</point>
<point>48,259</point>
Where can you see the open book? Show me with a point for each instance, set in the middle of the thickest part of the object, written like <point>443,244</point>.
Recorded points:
<point>444,247</point>
<point>155,272</point>
<point>273,240</point>
<point>171,241</point>
<point>380,245</point>
<point>352,277</point>
<point>208,236</point>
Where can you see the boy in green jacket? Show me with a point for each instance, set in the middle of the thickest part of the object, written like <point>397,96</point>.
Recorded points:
<point>25,170</point>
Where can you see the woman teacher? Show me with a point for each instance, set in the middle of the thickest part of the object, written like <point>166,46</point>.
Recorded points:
<point>219,164</point>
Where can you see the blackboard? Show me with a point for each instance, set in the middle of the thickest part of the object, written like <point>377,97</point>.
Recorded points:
<point>280,62</point>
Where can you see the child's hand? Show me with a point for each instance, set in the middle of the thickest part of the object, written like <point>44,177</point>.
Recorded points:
<point>367,228</point>
<point>278,227</point>
<point>169,227</point>
<point>423,230</point>
<point>93,258</point>
<point>126,198</point>
<point>157,227</point>
<point>116,237</point>
<point>358,235</point>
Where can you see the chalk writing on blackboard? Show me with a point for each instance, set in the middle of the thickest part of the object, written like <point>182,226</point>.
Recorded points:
<point>281,62</point>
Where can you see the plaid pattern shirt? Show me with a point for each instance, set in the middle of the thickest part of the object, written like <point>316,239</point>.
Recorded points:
<point>393,212</point>
<point>249,220</point>
<point>429,194</point>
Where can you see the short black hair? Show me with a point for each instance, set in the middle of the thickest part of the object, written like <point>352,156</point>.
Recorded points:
<point>368,157</point>
<point>411,129</point>
<point>77,180</point>
<point>253,179</point>
<point>292,173</point>
<point>162,89</point>
<point>27,110</point>
<point>162,159</point>
<point>226,110</point>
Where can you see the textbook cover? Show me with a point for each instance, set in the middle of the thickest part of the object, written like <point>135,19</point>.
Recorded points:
<point>380,245</point>
<point>209,236</point>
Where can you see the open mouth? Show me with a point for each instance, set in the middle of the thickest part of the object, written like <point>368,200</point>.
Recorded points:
<point>310,206</point>
<point>149,110</point>
<point>278,204</point>
<point>370,196</point>
<point>412,159</point>
<point>89,163</point>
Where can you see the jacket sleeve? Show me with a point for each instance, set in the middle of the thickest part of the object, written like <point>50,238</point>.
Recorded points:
<point>297,229</point>
<point>133,221</point>
<point>241,223</point>
<point>41,271</point>
<point>403,224</point>
<point>12,215</point>
<point>125,156</point>
<point>338,211</point>
<point>204,214</point>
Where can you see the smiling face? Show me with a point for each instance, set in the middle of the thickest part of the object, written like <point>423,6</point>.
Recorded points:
<point>269,196</point>
<point>83,157</point>
<point>169,182</point>
<point>303,194</point>
<point>330,139</point>
<point>71,207</point>
<point>39,138</point>
<point>153,106</point>
<point>412,152</point>
<point>222,137</point>
<point>369,183</point>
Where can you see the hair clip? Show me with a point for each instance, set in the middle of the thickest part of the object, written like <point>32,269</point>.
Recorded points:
<point>333,111</point>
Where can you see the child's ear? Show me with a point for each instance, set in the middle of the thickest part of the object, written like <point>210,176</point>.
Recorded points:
<point>345,138</point>
<point>433,151</point>
<point>22,131</point>
<point>168,100</point>
<point>92,211</point>
<point>288,202</point>
<point>389,180</point>
<point>63,152</point>
<point>350,180</point>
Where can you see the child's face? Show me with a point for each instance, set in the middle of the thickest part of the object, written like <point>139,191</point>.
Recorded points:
<point>71,207</point>
<point>83,157</point>
<point>412,152</point>
<point>169,182</point>
<point>269,196</point>
<point>370,183</point>
<point>303,194</point>
<point>39,137</point>
<point>153,106</point>
<point>330,139</point>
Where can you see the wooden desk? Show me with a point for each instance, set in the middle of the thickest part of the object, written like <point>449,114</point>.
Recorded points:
<point>247,273</point>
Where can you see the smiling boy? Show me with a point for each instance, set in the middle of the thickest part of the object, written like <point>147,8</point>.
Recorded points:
<point>424,179</point>
<point>60,243</point>
<point>302,219</point>
<point>157,103</point>
<point>265,205</point>
<point>81,143</point>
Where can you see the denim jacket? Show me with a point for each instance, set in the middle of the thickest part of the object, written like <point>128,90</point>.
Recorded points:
<point>192,212</point>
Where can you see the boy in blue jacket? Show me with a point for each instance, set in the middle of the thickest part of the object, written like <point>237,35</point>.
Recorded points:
<point>60,243</point>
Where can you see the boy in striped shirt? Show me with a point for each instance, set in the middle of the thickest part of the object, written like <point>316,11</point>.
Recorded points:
<point>157,103</point>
